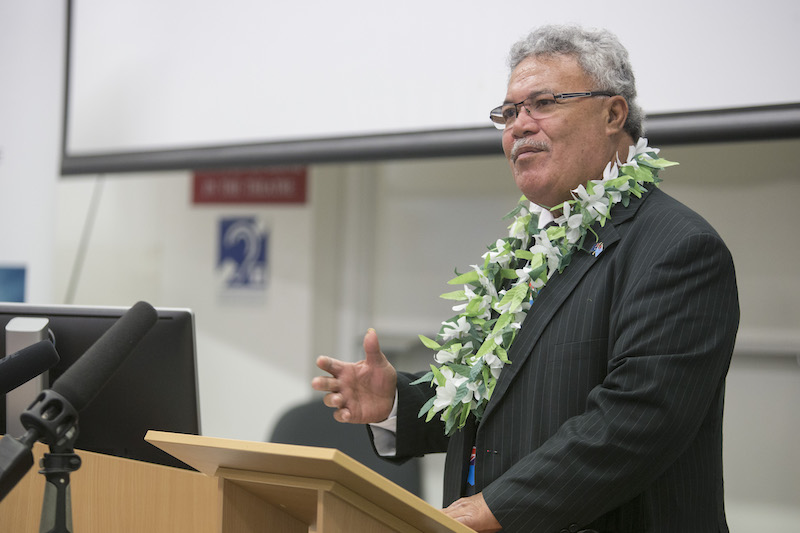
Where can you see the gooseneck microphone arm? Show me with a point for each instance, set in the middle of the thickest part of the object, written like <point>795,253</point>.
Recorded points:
<point>53,417</point>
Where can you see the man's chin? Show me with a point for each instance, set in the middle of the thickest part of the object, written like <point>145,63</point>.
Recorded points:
<point>530,191</point>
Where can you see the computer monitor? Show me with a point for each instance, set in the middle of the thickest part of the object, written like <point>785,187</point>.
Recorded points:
<point>155,387</point>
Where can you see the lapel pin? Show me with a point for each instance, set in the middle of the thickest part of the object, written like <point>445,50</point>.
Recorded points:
<point>597,249</point>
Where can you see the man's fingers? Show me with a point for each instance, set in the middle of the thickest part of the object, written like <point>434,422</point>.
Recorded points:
<point>325,384</point>
<point>324,363</point>
<point>329,364</point>
<point>336,401</point>
<point>333,400</point>
<point>473,512</point>
<point>342,415</point>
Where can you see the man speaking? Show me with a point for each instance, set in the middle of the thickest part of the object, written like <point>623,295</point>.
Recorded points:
<point>580,387</point>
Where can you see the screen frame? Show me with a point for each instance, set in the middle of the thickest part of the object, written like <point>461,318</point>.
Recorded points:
<point>761,123</point>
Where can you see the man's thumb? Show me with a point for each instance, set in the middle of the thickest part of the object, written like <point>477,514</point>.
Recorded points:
<point>372,348</point>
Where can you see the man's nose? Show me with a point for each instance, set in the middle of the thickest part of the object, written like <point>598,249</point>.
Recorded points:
<point>524,124</point>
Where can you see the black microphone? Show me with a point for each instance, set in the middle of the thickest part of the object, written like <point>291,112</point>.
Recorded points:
<point>83,380</point>
<point>53,417</point>
<point>26,364</point>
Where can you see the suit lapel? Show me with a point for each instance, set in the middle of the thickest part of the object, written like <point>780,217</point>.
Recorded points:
<point>555,293</point>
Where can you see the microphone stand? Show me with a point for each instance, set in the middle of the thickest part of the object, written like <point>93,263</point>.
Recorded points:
<point>57,504</point>
<point>53,417</point>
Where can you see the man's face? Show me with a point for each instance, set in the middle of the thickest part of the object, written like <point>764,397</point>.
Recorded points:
<point>551,156</point>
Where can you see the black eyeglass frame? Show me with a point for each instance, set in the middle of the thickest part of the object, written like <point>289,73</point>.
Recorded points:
<point>496,114</point>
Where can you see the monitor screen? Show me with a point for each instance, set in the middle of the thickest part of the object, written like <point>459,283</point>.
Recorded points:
<point>154,388</point>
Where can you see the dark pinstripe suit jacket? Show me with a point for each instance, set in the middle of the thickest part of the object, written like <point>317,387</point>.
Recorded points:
<point>609,417</point>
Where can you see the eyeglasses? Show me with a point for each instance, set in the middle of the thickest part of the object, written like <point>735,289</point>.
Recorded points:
<point>538,106</point>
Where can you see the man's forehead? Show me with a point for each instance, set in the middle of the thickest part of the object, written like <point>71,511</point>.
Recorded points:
<point>544,74</point>
<point>531,94</point>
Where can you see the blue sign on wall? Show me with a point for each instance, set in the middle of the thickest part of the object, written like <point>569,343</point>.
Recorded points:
<point>243,245</point>
<point>12,284</point>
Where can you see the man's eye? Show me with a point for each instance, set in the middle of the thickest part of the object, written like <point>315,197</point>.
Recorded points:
<point>542,102</point>
<point>509,112</point>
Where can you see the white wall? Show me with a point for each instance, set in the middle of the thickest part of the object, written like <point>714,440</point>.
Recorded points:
<point>748,192</point>
<point>150,243</point>
<point>31,60</point>
<point>373,247</point>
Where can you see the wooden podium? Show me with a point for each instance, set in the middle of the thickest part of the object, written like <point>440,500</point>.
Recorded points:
<point>300,489</point>
<point>241,487</point>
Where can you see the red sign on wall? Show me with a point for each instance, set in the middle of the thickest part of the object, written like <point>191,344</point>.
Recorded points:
<point>250,186</point>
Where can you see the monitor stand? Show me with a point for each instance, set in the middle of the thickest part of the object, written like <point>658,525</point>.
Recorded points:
<point>21,332</point>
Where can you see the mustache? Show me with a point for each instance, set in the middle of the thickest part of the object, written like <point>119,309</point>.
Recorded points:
<point>525,144</point>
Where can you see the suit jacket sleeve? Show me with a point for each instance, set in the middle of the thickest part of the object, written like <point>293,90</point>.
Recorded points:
<point>671,332</point>
<point>414,437</point>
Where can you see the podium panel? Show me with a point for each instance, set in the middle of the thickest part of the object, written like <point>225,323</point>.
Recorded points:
<point>245,512</point>
<point>302,489</point>
<point>120,495</point>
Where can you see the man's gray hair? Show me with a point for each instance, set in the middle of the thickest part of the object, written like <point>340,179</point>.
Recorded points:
<point>598,52</point>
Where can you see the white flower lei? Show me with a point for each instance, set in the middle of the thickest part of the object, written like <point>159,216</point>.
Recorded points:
<point>472,347</point>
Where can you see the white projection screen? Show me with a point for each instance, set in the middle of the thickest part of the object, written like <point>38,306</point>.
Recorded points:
<point>158,76</point>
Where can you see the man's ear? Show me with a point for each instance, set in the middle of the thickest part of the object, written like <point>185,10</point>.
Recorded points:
<point>617,114</point>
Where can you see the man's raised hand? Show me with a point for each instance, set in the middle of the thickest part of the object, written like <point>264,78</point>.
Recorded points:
<point>361,392</point>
